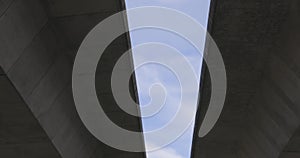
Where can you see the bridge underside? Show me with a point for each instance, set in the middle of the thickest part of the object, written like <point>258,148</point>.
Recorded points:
<point>259,43</point>
<point>39,41</point>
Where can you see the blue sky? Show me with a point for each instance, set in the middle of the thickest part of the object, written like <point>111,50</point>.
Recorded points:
<point>153,73</point>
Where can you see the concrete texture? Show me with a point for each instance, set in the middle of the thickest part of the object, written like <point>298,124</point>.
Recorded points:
<point>20,133</point>
<point>59,8</point>
<point>1,71</point>
<point>261,112</point>
<point>39,40</point>
<point>292,149</point>
<point>19,24</point>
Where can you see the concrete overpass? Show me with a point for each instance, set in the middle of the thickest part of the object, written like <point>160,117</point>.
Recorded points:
<point>40,38</point>
<point>261,114</point>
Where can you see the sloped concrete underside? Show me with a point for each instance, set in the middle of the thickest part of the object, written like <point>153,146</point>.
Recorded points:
<point>20,133</point>
<point>259,41</point>
<point>39,40</point>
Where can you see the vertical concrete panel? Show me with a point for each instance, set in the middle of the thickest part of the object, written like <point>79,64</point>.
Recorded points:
<point>18,26</point>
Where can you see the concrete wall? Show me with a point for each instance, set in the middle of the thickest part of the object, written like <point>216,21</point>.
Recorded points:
<point>274,112</point>
<point>261,111</point>
<point>39,40</point>
<point>292,149</point>
<point>20,133</point>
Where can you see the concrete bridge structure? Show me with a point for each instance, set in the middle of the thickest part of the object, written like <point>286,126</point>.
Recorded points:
<point>40,38</point>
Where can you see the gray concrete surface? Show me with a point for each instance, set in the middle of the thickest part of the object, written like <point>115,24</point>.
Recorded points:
<point>20,132</point>
<point>39,40</point>
<point>258,42</point>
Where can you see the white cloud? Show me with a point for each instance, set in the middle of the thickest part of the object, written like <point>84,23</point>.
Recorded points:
<point>166,152</point>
